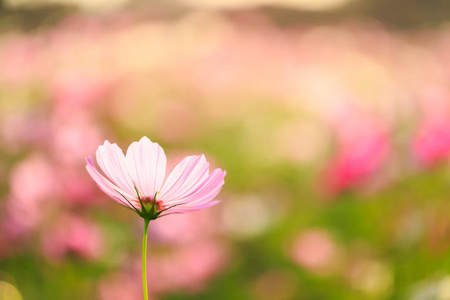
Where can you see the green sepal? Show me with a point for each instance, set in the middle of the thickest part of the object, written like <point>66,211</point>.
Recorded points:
<point>149,210</point>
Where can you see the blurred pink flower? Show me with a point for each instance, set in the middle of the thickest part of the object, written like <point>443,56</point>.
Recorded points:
<point>185,228</point>
<point>188,267</point>
<point>19,59</point>
<point>77,189</point>
<point>33,185</point>
<point>363,145</point>
<point>120,286</point>
<point>316,251</point>
<point>192,254</point>
<point>23,130</point>
<point>185,254</point>
<point>73,235</point>
<point>432,142</point>
<point>78,90</point>
<point>74,135</point>
<point>136,180</point>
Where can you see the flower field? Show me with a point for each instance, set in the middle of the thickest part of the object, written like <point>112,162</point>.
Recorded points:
<point>335,137</point>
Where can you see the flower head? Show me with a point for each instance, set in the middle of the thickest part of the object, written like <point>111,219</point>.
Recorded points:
<point>136,180</point>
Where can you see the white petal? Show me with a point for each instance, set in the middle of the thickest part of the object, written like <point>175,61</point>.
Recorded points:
<point>107,186</point>
<point>184,178</point>
<point>146,162</point>
<point>111,160</point>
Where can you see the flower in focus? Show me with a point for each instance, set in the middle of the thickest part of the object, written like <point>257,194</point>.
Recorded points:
<point>136,180</point>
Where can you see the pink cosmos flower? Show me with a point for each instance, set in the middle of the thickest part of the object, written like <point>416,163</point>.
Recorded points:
<point>136,180</point>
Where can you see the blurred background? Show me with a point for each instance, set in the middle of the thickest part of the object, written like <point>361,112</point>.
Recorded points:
<point>331,117</point>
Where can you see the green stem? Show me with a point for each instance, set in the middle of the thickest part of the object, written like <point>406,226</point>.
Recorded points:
<point>144,260</point>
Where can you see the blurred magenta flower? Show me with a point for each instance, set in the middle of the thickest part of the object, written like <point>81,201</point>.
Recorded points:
<point>137,182</point>
<point>432,142</point>
<point>364,145</point>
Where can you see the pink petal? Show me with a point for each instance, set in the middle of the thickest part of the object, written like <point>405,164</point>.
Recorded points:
<point>185,178</point>
<point>146,163</point>
<point>111,160</point>
<point>208,189</point>
<point>107,186</point>
<point>187,208</point>
<point>205,192</point>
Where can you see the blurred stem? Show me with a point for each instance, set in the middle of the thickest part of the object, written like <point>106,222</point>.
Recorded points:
<point>144,260</point>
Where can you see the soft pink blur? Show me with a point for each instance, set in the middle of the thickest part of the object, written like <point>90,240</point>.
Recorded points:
<point>431,143</point>
<point>121,286</point>
<point>195,252</point>
<point>31,196</point>
<point>363,145</point>
<point>73,235</point>
<point>342,99</point>
<point>185,253</point>
<point>186,268</point>
<point>316,251</point>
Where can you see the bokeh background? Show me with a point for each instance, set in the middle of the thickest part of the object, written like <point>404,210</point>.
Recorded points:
<point>331,117</point>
